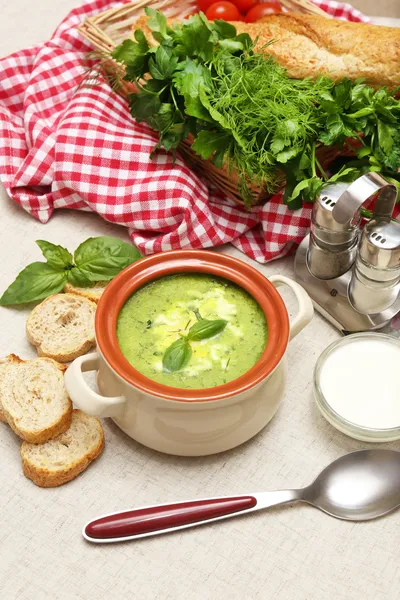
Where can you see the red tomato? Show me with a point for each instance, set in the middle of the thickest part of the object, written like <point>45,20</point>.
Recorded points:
<point>258,11</point>
<point>244,5</point>
<point>223,10</point>
<point>204,5</point>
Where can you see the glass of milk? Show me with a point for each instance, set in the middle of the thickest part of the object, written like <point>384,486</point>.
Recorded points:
<point>357,386</point>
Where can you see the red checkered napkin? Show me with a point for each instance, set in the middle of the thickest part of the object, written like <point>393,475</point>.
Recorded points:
<point>66,148</point>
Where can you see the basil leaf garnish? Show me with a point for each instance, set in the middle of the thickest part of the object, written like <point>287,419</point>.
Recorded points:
<point>77,278</point>
<point>177,355</point>
<point>35,282</point>
<point>97,259</point>
<point>57,256</point>
<point>205,329</point>
<point>102,258</point>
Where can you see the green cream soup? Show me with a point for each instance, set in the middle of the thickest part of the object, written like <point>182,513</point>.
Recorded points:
<point>162,311</point>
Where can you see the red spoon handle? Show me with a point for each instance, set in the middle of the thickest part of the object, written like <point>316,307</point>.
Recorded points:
<point>136,523</point>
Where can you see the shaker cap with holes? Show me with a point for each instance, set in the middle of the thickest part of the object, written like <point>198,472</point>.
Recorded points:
<point>323,207</point>
<point>380,244</point>
<point>329,230</point>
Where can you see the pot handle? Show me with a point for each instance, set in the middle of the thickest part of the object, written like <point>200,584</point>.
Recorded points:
<point>306,309</point>
<point>83,396</point>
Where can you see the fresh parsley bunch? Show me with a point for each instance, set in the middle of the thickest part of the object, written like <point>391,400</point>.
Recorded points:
<point>96,259</point>
<point>244,112</point>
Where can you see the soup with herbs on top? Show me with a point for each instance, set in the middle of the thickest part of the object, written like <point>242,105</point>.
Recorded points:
<point>192,330</point>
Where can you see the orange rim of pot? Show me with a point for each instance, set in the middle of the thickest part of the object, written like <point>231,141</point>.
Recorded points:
<point>148,269</point>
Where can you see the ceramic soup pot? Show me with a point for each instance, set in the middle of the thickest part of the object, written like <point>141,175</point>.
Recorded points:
<point>188,422</point>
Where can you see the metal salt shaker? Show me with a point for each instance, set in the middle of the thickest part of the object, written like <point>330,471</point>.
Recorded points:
<point>375,282</point>
<point>333,244</point>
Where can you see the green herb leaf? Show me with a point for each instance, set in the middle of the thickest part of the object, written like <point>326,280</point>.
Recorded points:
<point>57,256</point>
<point>288,154</point>
<point>277,145</point>
<point>363,112</point>
<point>246,40</point>
<point>164,64</point>
<point>224,30</point>
<point>177,355</point>
<point>345,174</point>
<point>191,77</point>
<point>333,131</point>
<point>209,142</point>
<point>157,23</point>
<point>129,51</point>
<point>342,92</point>
<point>364,151</point>
<point>231,45</point>
<point>205,329</point>
<point>164,119</point>
<point>37,281</point>
<point>144,106</point>
<point>77,278</point>
<point>133,55</point>
<point>195,39</point>
<point>361,94</point>
<point>174,136</point>
<point>310,188</point>
<point>102,258</point>
<point>385,135</point>
<point>194,108</point>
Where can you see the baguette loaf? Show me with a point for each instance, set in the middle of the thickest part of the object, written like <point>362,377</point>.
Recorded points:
<point>62,459</point>
<point>34,401</point>
<point>62,327</point>
<point>311,45</point>
<point>93,293</point>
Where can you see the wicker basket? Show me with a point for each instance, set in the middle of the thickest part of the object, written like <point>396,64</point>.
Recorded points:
<point>108,29</point>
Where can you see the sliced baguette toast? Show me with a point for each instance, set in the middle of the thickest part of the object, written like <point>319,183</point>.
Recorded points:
<point>11,358</point>
<point>93,293</point>
<point>34,401</point>
<point>62,327</point>
<point>62,459</point>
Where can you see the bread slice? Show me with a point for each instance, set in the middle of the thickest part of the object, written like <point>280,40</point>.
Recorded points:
<point>11,358</point>
<point>64,458</point>
<point>93,293</point>
<point>62,327</point>
<point>34,401</point>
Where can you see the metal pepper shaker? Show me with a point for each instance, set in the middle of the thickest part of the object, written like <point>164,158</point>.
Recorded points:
<point>375,282</point>
<point>333,245</point>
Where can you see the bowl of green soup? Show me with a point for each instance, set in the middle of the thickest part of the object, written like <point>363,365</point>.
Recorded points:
<point>190,353</point>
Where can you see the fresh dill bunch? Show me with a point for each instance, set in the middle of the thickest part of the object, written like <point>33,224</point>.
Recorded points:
<point>272,118</point>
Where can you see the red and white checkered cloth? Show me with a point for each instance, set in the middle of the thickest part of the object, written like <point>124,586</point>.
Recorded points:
<point>63,148</point>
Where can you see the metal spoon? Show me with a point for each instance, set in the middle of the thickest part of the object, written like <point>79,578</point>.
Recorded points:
<point>357,487</point>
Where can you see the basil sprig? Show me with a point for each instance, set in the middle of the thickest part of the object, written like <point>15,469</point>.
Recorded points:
<point>96,259</point>
<point>178,354</point>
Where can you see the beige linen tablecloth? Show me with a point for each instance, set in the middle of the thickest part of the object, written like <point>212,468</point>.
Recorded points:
<point>294,553</point>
